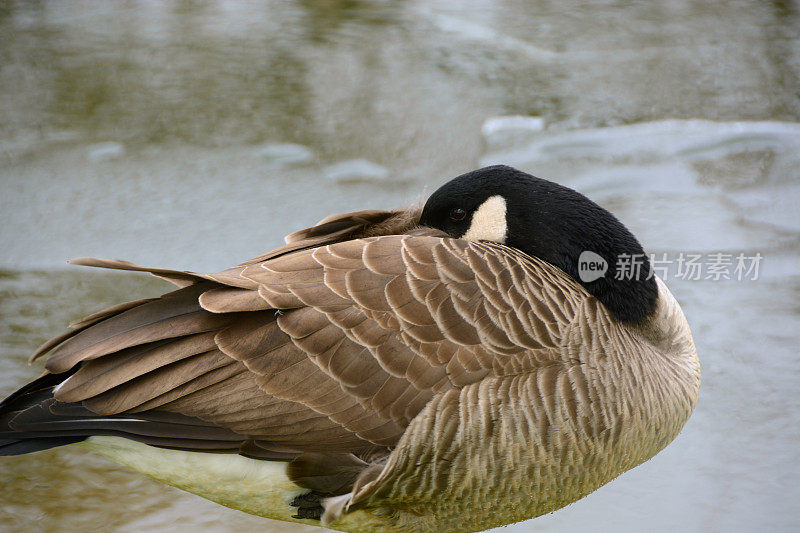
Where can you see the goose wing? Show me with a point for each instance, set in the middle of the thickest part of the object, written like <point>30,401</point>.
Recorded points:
<point>330,349</point>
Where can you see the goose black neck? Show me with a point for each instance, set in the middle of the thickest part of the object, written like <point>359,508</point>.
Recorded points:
<point>587,242</point>
<point>560,226</point>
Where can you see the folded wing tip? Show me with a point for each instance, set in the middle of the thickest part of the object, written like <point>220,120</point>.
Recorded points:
<point>47,346</point>
<point>89,261</point>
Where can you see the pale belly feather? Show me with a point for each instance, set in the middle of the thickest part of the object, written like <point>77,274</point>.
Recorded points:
<point>253,486</point>
<point>257,487</point>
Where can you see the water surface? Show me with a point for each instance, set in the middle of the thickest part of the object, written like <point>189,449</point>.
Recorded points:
<point>157,133</point>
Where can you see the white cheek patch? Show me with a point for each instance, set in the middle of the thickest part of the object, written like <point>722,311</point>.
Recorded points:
<point>489,222</point>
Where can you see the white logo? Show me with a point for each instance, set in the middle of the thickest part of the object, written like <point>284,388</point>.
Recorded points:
<point>591,266</point>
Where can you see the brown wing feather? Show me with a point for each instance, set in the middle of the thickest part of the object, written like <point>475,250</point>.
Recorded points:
<point>453,305</point>
<point>325,345</point>
<point>173,315</point>
<point>346,226</point>
<point>176,277</point>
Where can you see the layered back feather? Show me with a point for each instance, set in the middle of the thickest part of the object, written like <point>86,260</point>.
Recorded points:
<point>458,384</point>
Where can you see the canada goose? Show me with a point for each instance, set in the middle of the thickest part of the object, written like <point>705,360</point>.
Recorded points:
<point>434,369</point>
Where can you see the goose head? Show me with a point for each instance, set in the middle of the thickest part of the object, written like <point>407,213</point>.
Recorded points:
<point>550,222</point>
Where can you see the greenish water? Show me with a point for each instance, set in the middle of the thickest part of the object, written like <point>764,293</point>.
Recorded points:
<point>158,133</point>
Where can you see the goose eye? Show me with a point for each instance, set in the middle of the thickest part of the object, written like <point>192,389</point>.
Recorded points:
<point>457,214</point>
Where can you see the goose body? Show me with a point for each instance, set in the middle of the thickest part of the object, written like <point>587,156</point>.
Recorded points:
<point>435,369</point>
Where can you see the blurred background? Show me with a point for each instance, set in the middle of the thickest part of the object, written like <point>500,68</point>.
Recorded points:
<point>196,134</point>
